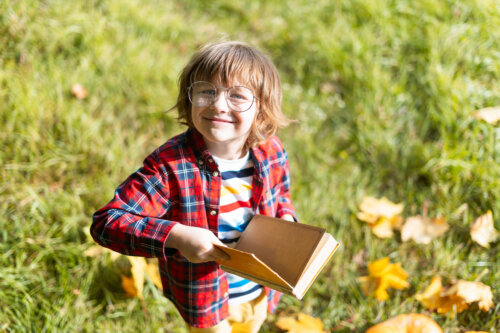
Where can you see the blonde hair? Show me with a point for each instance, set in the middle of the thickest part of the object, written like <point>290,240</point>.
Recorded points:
<point>225,62</point>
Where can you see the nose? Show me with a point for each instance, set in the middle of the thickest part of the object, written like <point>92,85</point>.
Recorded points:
<point>220,102</point>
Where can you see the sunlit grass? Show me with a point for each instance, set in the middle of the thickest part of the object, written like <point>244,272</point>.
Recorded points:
<point>382,91</point>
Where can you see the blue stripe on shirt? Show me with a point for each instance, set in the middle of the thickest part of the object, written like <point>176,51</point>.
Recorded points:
<point>238,283</point>
<point>256,287</point>
<point>226,227</point>
<point>229,240</point>
<point>237,174</point>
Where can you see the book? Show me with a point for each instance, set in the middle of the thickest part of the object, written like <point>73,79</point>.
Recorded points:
<point>285,256</point>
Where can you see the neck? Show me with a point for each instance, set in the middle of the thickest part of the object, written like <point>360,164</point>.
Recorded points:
<point>226,151</point>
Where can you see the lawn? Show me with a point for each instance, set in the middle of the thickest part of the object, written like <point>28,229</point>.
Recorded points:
<point>382,91</point>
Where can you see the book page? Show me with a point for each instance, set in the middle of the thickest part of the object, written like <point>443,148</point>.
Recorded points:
<point>324,252</point>
<point>249,264</point>
<point>284,246</point>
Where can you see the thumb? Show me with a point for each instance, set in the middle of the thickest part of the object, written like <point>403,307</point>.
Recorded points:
<point>220,254</point>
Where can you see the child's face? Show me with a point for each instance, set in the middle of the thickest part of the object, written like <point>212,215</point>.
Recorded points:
<point>224,130</point>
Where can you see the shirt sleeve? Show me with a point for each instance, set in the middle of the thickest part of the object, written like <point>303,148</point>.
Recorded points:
<point>134,221</point>
<point>285,205</point>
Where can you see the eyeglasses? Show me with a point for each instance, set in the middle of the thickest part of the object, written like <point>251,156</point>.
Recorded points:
<point>238,98</point>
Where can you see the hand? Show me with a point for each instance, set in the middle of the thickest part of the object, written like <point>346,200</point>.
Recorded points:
<point>196,244</point>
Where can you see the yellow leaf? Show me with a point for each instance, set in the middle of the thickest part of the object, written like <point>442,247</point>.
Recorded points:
<point>413,322</point>
<point>302,324</point>
<point>422,230</point>
<point>471,292</point>
<point>483,231</point>
<point>383,275</point>
<point>430,298</point>
<point>381,214</point>
<point>490,115</point>
<point>381,290</point>
<point>97,250</point>
<point>137,270</point>
<point>433,298</point>
<point>372,209</point>
<point>455,298</point>
<point>152,271</point>
<point>396,277</point>
<point>367,284</point>
<point>241,327</point>
<point>128,284</point>
<point>382,228</point>
<point>379,267</point>
<point>451,304</point>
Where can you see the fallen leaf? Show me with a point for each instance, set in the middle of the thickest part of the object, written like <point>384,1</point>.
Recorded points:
<point>456,298</point>
<point>383,275</point>
<point>78,91</point>
<point>384,227</point>
<point>471,292</point>
<point>422,229</point>
<point>242,327</point>
<point>413,322</point>
<point>137,270</point>
<point>431,296</point>
<point>302,324</point>
<point>128,284</point>
<point>97,250</point>
<point>491,115</point>
<point>152,271</point>
<point>381,214</point>
<point>483,231</point>
<point>372,209</point>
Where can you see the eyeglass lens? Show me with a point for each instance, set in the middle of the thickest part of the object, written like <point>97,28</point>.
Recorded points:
<point>203,94</point>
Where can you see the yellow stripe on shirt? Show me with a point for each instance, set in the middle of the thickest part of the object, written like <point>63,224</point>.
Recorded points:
<point>228,190</point>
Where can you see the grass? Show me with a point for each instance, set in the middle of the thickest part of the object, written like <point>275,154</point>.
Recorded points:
<point>383,92</point>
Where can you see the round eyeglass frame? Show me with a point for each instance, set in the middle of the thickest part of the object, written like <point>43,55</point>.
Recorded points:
<point>217,90</point>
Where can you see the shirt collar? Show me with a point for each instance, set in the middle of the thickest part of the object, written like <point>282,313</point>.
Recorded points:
<point>201,153</point>
<point>203,156</point>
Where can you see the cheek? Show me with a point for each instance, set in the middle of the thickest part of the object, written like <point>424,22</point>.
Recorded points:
<point>246,121</point>
<point>195,113</point>
<point>195,118</point>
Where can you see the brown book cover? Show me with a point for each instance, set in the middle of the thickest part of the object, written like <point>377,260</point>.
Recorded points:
<point>279,254</point>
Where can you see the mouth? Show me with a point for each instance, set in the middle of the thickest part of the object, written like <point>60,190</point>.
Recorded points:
<point>220,120</point>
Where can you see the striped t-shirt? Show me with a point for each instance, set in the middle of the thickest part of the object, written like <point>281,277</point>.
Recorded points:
<point>234,215</point>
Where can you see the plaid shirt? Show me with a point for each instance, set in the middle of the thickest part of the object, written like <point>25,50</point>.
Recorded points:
<point>180,183</point>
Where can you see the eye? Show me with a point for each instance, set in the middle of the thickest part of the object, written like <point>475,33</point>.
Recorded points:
<point>241,94</point>
<point>207,92</point>
<point>238,96</point>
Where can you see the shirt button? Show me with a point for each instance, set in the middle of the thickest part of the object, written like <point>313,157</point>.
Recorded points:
<point>215,174</point>
<point>226,294</point>
<point>211,160</point>
<point>213,212</point>
<point>200,162</point>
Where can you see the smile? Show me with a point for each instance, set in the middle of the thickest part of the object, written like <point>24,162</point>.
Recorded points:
<point>218,120</point>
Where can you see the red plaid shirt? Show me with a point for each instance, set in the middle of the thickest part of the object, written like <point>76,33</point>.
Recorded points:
<point>180,183</point>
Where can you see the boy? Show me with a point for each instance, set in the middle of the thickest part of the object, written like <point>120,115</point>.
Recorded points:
<point>203,186</point>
